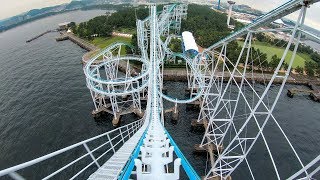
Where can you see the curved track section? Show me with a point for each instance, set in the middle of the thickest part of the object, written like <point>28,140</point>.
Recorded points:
<point>197,77</point>
<point>117,85</point>
<point>116,81</point>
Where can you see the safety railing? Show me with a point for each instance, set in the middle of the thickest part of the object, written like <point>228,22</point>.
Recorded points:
<point>102,148</point>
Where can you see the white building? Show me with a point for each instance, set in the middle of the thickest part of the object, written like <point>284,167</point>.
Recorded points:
<point>278,23</point>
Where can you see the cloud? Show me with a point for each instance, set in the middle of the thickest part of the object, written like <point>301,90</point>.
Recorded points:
<point>312,17</point>
<point>10,8</point>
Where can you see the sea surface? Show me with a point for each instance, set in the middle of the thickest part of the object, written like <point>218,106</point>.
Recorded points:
<point>45,105</point>
<point>313,44</point>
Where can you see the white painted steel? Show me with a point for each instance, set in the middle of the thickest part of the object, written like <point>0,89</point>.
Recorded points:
<point>113,167</point>
<point>126,130</point>
<point>219,108</point>
<point>156,144</point>
<point>211,74</point>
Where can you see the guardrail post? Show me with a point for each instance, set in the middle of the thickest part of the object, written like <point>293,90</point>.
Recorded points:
<point>128,131</point>
<point>132,127</point>
<point>111,143</point>
<point>16,176</point>
<point>93,158</point>
<point>121,135</point>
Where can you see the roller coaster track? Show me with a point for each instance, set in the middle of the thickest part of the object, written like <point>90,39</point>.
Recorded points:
<point>144,149</point>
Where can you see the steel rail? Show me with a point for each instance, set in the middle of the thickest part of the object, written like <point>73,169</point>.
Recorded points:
<point>58,152</point>
<point>90,73</point>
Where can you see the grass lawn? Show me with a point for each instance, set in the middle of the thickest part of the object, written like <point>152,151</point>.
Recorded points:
<point>127,30</point>
<point>102,42</point>
<point>273,50</point>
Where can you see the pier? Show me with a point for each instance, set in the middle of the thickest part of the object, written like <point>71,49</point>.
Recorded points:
<point>180,74</point>
<point>314,92</point>
<point>174,113</point>
<point>36,37</point>
<point>198,149</point>
<point>80,42</point>
<point>101,111</point>
<point>197,126</point>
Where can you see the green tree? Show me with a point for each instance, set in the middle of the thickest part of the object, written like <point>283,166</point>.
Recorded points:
<point>259,58</point>
<point>274,62</point>
<point>310,67</point>
<point>175,45</point>
<point>206,25</point>
<point>72,24</point>
<point>285,66</point>
<point>104,25</point>
<point>316,57</point>
<point>134,43</point>
<point>299,70</point>
<point>318,70</point>
<point>233,52</point>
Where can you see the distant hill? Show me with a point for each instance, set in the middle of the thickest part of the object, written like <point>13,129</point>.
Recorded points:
<point>314,31</point>
<point>305,27</point>
<point>30,16</point>
<point>34,14</point>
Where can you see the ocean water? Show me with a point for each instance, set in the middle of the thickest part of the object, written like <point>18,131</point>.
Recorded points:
<point>45,105</point>
<point>314,45</point>
<point>299,118</point>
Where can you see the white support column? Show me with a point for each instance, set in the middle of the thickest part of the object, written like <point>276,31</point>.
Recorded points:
<point>231,3</point>
<point>223,168</point>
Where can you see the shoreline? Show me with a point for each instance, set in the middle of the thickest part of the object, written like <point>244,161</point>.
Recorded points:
<point>179,74</point>
<point>77,40</point>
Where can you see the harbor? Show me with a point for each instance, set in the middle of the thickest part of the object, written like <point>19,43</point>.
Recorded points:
<point>40,35</point>
<point>80,42</point>
<point>176,74</point>
<point>62,27</point>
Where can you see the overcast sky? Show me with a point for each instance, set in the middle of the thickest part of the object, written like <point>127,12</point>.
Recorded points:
<point>10,8</point>
<point>313,13</point>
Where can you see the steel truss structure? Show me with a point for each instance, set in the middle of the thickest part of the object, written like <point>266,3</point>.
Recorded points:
<point>235,109</point>
<point>236,112</point>
<point>157,147</point>
<point>116,86</point>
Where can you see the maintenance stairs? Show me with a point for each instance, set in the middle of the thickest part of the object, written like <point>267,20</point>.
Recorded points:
<point>114,166</point>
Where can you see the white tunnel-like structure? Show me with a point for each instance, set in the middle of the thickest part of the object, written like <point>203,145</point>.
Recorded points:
<point>188,42</point>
